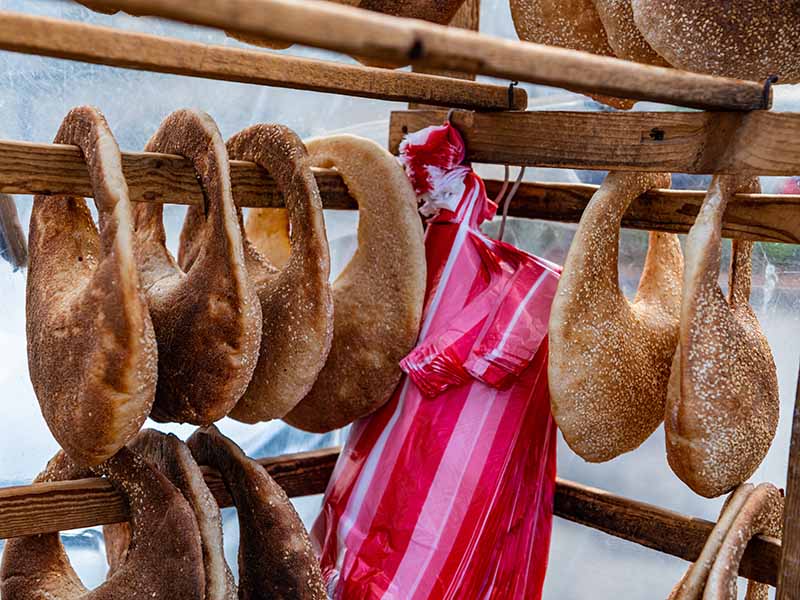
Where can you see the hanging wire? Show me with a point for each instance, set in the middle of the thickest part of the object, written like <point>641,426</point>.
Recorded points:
<point>508,200</point>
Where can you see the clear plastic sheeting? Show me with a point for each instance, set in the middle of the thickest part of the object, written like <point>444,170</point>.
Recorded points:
<point>36,93</point>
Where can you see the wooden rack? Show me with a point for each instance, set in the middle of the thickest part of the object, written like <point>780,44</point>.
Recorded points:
<point>50,169</point>
<point>743,139</point>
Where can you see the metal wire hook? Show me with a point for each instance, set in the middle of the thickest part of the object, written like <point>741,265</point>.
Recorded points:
<point>507,202</point>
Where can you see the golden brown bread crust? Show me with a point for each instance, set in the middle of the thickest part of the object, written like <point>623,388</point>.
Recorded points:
<point>746,39</point>
<point>722,406</point>
<point>173,459</point>
<point>762,513</point>
<point>91,348</point>
<point>276,560</point>
<point>573,24</point>
<point>692,584</point>
<point>205,312</point>
<point>296,301</point>
<point>623,35</point>
<point>379,295</point>
<point>609,358</point>
<point>164,561</point>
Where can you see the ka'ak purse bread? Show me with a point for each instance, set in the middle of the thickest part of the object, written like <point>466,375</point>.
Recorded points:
<point>91,348</point>
<point>379,295</point>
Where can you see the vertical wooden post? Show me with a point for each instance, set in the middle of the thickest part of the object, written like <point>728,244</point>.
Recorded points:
<point>789,576</point>
<point>467,17</point>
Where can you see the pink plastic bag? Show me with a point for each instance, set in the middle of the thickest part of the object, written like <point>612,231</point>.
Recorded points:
<point>447,491</point>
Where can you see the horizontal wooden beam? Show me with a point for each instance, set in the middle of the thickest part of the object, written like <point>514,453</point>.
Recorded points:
<point>758,143</point>
<point>755,217</point>
<point>658,528</point>
<point>56,169</point>
<point>106,46</point>
<point>64,505</point>
<point>402,41</point>
<point>42,508</point>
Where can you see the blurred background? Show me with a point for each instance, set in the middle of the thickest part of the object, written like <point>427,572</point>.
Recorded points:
<point>36,93</point>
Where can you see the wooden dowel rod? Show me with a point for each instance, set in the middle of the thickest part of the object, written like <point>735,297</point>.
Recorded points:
<point>102,45</point>
<point>49,169</point>
<point>42,508</point>
<point>758,143</point>
<point>755,217</point>
<point>64,505</point>
<point>362,33</point>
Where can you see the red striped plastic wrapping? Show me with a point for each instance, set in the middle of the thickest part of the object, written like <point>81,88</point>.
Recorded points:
<point>447,491</point>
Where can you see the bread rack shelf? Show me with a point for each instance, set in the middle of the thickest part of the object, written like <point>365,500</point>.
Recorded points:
<point>403,41</point>
<point>47,507</point>
<point>754,142</point>
<point>50,169</point>
<point>102,45</point>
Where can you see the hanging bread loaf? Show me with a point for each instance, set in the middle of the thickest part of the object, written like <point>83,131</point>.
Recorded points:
<point>378,296</point>
<point>296,300</point>
<point>722,406</point>
<point>573,24</point>
<point>13,246</point>
<point>164,562</point>
<point>609,358</point>
<point>747,512</point>
<point>746,39</point>
<point>206,314</point>
<point>693,583</point>
<point>762,513</point>
<point>173,459</point>
<point>623,35</point>
<point>91,348</point>
<point>275,555</point>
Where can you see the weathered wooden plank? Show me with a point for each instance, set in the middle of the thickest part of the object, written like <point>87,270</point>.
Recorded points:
<point>362,33</point>
<point>47,507</point>
<point>789,579</point>
<point>53,169</point>
<point>113,47</point>
<point>757,217</point>
<point>658,528</point>
<point>759,143</point>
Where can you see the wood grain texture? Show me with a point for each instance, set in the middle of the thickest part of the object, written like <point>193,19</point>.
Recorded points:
<point>789,579</point>
<point>467,17</point>
<point>42,508</point>
<point>47,507</point>
<point>756,217</point>
<point>658,528</point>
<point>757,143</point>
<point>401,41</point>
<point>53,169</point>
<point>102,45</point>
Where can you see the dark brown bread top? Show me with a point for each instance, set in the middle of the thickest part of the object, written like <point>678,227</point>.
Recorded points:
<point>91,347</point>
<point>206,315</point>
<point>435,11</point>
<point>165,558</point>
<point>722,405</point>
<point>172,458</point>
<point>746,39</point>
<point>378,296</point>
<point>276,560</point>
<point>296,300</point>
